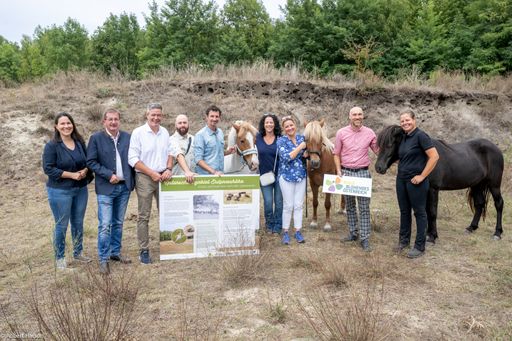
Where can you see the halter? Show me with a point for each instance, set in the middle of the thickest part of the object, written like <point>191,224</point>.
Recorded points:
<point>250,151</point>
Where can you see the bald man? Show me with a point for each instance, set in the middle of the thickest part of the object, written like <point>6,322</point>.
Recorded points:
<point>185,141</point>
<point>351,157</point>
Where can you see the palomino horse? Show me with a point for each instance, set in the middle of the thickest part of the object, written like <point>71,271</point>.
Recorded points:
<point>476,164</point>
<point>321,161</point>
<point>242,135</point>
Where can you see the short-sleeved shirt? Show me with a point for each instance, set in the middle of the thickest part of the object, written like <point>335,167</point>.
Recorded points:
<point>185,145</point>
<point>411,154</point>
<point>267,154</point>
<point>291,170</point>
<point>352,146</point>
<point>209,147</point>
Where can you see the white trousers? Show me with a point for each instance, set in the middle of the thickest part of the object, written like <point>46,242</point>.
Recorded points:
<point>293,202</point>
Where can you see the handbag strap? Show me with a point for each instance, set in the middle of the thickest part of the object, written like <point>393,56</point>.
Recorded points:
<point>275,159</point>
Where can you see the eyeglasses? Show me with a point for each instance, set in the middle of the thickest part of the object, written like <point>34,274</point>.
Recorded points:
<point>289,117</point>
<point>154,106</point>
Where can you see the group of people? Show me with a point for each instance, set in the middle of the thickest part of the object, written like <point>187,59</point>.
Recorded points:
<point>285,198</point>
<point>121,162</point>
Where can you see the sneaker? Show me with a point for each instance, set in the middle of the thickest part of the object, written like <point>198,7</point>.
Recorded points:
<point>286,238</point>
<point>121,259</point>
<point>299,237</point>
<point>82,259</point>
<point>144,257</point>
<point>415,253</point>
<point>104,268</point>
<point>350,238</point>
<point>60,264</point>
<point>365,245</point>
<point>400,247</point>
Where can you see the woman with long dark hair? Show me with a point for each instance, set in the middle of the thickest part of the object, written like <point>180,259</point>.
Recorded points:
<point>65,163</point>
<point>269,131</point>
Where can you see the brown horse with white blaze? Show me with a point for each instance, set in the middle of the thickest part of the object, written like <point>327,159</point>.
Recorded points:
<point>321,161</point>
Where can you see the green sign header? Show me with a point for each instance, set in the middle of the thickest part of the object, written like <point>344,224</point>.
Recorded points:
<point>212,183</point>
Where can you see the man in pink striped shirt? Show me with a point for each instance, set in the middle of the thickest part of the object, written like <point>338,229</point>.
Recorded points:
<point>351,157</point>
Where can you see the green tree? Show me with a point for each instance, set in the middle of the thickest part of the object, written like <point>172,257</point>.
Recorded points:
<point>245,32</point>
<point>182,32</point>
<point>64,47</point>
<point>115,45</point>
<point>33,63</point>
<point>10,62</point>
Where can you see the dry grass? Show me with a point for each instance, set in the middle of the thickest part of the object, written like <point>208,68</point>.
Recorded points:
<point>356,317</point>
<point>458,290</point>
<point>80,306</point>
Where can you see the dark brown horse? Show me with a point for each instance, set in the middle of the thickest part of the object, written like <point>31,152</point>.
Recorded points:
<point>476,164</point>
<point>321,161</point>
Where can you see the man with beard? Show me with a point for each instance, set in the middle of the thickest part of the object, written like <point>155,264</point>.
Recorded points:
<point>351,158</point>
<point>185,143</point>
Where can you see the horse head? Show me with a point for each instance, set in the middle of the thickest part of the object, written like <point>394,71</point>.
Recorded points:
<point>388,141</point>
<point>245,143</point>
<point>316,141</point>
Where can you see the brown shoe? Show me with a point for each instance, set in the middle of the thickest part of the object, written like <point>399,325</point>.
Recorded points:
<point>121,259</point>
<point>82,259</point>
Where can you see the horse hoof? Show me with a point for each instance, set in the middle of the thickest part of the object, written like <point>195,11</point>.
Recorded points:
<point>343,212</point>
<point>313,225</point>
<point>327,228</point>
<point>495,237</point>
<point>431,240</point>
<point>468,231</point>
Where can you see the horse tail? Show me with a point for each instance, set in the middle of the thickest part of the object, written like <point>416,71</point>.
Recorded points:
<point>471,199</point>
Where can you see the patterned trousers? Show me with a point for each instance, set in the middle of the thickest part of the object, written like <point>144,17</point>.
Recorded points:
<point>363,206</point>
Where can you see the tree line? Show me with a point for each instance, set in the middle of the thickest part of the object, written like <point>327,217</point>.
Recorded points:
<point>386,37</point>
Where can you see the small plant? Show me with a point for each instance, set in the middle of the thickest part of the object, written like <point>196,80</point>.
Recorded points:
<point>85,306</point>
<point>94,113</point>
<point>334,273</point>
<point>195,320</point>
<point>103,92</point>
<point>354,317</point>
<point>277,310</point>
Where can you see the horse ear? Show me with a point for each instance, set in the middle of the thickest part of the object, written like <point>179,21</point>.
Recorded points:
<point>236,126</point>
<point>322,121</point>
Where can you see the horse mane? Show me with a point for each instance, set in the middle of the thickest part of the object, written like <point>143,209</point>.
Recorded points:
<point>315,133</point>
<point>387,134</point>
<point>244,128</point>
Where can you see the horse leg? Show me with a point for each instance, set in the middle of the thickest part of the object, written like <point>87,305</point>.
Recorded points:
<point>327,205</point>
<point>498,204</point>
<point>432,203</point>
<point>342,209</point>
<point>477,196</point>
<point>314,189</point>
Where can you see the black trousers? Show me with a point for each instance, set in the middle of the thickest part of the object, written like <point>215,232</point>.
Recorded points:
<point>412,197</point>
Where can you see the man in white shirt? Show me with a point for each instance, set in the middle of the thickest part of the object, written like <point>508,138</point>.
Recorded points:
<point>149,154</point>
<point>185,142</point>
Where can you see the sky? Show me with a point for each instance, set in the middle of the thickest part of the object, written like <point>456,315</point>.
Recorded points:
<point>21,17</point>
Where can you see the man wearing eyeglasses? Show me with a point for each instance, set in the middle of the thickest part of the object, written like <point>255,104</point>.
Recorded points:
<point>209,145</point>
<point>149,154</point>
<point>107,156</point>
<point>351,158</point>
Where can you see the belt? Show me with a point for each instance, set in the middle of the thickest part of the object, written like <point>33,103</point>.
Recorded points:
<point>355,169</point>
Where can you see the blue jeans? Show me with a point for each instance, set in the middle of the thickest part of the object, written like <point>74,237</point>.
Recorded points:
<point>111,211</point>
<point>411,196</point>
<point>68,205</point>
<point>273,206</point>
